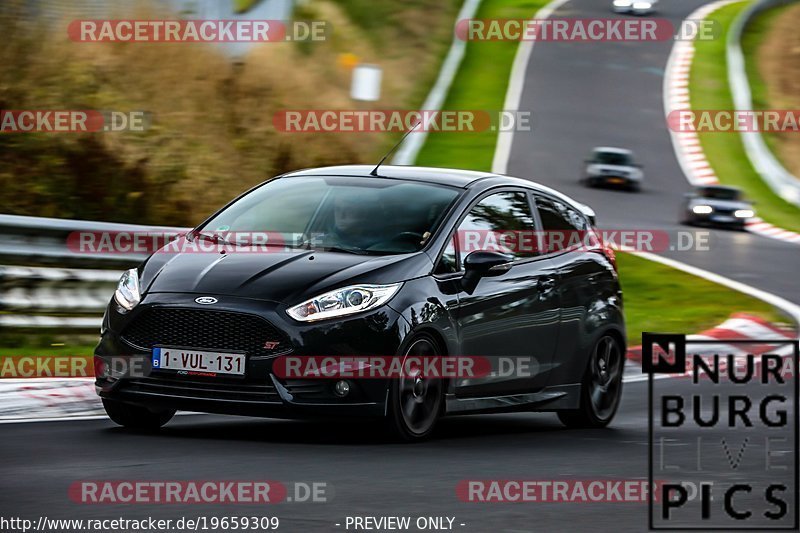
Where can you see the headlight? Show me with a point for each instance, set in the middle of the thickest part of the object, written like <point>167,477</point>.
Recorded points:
<point>702,209</point>
<point>127,293</point>
<point>642,5</point>
<point>623,3</point>
<point>744,213</point>
<point>344,301</point>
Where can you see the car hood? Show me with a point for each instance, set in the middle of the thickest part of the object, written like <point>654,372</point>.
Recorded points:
<point>281,276</point>
<point>722,204</point>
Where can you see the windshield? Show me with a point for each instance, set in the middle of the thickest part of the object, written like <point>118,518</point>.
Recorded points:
<point>612,158</point>
<point>719,193</point>
<point>355,215</point>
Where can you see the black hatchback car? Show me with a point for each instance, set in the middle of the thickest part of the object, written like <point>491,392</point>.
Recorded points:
<point>345,264</point>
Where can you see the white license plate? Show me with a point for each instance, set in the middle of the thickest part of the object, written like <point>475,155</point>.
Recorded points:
<point>182,359</point>
<point>723,218</point>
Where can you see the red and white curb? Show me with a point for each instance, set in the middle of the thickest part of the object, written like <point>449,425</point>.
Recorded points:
<point>48,398</point>
<point>687,145</point>
<point>740,327</point>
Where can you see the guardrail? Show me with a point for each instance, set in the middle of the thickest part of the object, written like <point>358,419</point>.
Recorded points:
<point>45,285</point>
<point>781,181</point>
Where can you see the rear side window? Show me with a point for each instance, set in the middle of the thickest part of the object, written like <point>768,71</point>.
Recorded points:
<point>562,224</point>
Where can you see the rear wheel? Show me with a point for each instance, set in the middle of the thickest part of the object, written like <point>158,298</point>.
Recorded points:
<point>135,416</point>
<point>415,402</point>
<point>601,387</point>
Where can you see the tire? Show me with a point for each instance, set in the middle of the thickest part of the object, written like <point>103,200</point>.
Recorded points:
<point>135,416</point>
<point>635,187</point>
<point>601,390</point>
<point>415,403</point>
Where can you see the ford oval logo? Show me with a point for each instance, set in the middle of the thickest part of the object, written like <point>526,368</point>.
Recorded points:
<point>206,300</point>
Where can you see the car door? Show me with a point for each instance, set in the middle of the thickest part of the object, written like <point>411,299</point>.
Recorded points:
<point>512,318</point>
<point>586,286</point>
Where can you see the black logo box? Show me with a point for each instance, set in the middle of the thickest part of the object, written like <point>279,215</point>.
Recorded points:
<point>675,346</point>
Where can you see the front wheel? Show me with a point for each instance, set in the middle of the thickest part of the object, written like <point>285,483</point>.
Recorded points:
<point>601,387</point>
<point>416,402</point>
<point>135,416</point>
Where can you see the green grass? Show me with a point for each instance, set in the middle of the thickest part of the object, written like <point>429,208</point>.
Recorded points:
<point>480,84</point>
<point>709,89</point>
<point>661,298</point>
<point>78,349</point>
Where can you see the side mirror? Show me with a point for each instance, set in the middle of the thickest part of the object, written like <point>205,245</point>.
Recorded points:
<point>479,264</point>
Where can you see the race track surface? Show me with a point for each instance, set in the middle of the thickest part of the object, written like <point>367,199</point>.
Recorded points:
<point>581,95</point>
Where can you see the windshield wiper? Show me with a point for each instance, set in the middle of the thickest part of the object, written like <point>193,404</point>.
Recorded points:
<point>356,251</point>
<point>213,237</point>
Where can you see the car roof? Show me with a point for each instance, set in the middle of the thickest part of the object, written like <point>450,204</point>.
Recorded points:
<point>440,176</point>
<point>463,179</point>
<point>612,150</point>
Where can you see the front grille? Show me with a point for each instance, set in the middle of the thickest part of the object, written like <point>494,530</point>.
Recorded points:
<point>207,390</point>
<point>202,329</point>
<point>724,210</point>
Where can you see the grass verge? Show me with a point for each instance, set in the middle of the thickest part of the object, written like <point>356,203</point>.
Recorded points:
<point>480,84</point>
<point>709,89</point>
<point>66,349</point>
<point>661,298</point>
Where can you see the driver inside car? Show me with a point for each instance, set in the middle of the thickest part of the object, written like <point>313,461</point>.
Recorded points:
<point>353,227</point>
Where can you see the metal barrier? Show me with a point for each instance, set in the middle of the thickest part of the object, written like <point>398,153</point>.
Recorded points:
<point>781,181</point>
<point>45,284</point>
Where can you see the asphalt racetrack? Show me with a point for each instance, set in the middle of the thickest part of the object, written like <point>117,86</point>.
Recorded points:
<point>581,95</point>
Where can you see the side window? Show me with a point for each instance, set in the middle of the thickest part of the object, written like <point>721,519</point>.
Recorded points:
<point>502,222</point>
<point>562,225</point>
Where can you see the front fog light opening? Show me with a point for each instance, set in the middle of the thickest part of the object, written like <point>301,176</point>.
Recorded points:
<point>341,388</point>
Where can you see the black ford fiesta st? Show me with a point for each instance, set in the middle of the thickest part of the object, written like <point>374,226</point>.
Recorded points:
<point>358,263</point>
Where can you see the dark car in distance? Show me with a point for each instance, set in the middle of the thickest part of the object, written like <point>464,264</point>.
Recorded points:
<point>371,263</point>
<point>717,205</point>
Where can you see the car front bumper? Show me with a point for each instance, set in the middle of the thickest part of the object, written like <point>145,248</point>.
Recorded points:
<point>129,375</point>
<point>613,180</point>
